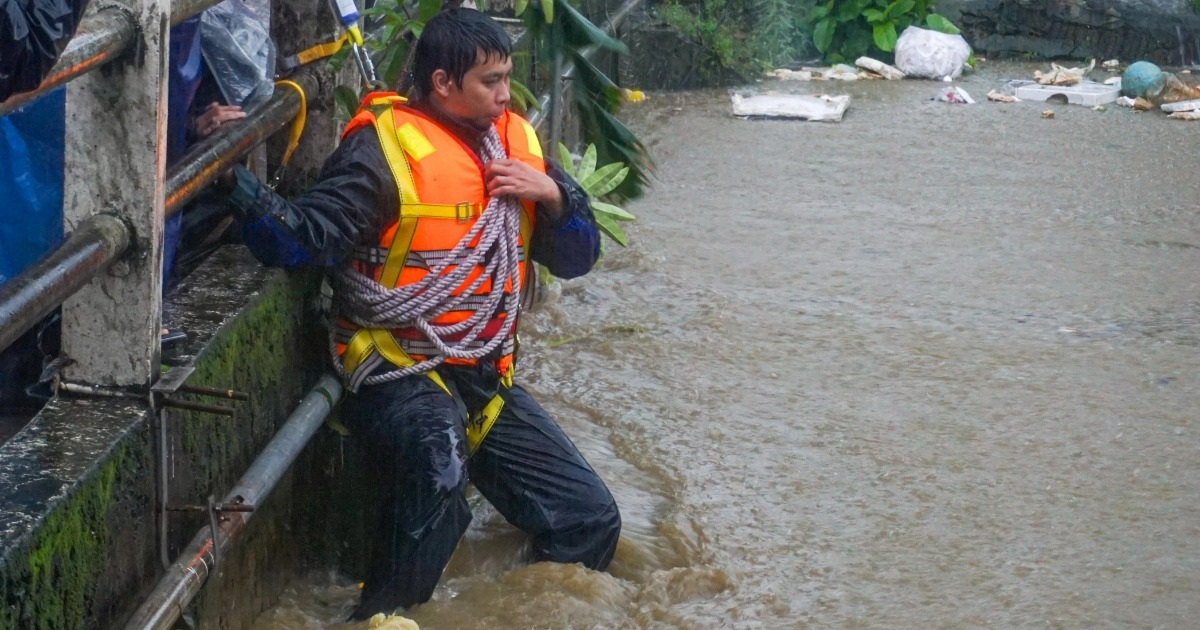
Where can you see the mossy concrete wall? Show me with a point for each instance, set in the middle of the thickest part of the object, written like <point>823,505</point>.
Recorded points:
<point>79,542</point>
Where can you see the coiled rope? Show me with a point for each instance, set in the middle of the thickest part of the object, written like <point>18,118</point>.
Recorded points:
<point>369,304</point>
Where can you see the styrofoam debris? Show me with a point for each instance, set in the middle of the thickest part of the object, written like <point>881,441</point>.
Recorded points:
<point>801,106</point>
<point>1192,115</point>
<point>890,73</point>
<point>784,74</point>
<point>840,72</point>
<point>1181,106</point>
<point>1001,98</point>
<point>1088,93</point>
<point>1059,75</point>
<point>955,95</point>
<point>1125,101</point>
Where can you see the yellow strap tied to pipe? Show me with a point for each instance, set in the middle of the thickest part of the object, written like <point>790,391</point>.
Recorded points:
<point>294,138</point>
<point>297,123</point>
<point>320,51</point>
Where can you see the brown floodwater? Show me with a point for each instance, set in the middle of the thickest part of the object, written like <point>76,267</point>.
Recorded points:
<point>935,366</point>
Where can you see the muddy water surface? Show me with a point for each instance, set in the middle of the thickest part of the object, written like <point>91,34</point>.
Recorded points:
<point>933,366</point>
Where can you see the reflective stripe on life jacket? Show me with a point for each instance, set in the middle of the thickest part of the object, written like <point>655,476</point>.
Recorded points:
<point>442,194</point>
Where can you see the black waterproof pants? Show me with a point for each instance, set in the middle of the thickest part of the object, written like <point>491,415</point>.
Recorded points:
<point>413,436</point>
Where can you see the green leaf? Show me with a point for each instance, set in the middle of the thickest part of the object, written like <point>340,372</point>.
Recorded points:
<point>823,35</point>
<point>619,214</point>
<point>427,9</point>
<point>849,10</point>
<point>818,13</point>
<point>610,228</point>
<point>900,7</point>
<point>587,165</point>
<point>874,15</point>
<point>524,98</point>
<point>885,37</point>
<point>605,179</point>
<point>578,31</point>
<point>940,24</point>
<point>338,59</point>
<point>548,10</point>
<point>565,161</point>
<point>345,102</point>
<point>519,6</point>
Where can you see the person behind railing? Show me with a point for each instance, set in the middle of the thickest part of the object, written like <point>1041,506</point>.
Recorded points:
<point>31,175</point>
<point>33,33</point>
<point>426,272</point>
<point>31,184</point>
<point>235,59</point>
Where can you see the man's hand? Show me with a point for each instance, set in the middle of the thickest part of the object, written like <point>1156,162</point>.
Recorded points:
<point>514,177</point>
<point>214,116</point>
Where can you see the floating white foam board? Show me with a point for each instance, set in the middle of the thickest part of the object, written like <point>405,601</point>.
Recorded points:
<point>804,107</point>
<point>1089,94</point>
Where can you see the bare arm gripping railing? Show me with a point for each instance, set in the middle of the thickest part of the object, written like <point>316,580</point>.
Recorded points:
<point>91,249</point>
<point>184,579</point>
<point>101,37</point>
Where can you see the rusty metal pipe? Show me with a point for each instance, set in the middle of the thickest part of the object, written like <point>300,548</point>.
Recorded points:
<point>101,37</point>
<point>216,154</point>
<point>188,574</point>
<point>90,249</point>
<point>98,242</point>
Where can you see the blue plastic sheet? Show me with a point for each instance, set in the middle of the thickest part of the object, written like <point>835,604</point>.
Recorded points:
<point>31,177</point>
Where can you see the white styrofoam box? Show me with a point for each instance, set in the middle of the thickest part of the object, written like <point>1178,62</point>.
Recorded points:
<point>1089,94</point>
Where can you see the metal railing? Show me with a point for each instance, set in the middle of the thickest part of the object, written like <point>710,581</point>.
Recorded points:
<point>102,37</point>
<point>98,242</point>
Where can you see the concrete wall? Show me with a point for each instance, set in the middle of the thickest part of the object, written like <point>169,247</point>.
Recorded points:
<point>78,500</point>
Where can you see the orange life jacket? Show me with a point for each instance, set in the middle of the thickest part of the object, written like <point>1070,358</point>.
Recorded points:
<point>442,194</point>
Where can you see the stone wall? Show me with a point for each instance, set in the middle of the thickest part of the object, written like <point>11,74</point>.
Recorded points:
<point>1164,31</point>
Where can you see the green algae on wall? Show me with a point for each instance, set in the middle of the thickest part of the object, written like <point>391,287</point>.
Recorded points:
<point>67,554</point>
<point>258,354</point>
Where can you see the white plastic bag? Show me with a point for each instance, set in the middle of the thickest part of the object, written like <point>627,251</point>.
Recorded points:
<point>237,47</point>
<point>931,55</point>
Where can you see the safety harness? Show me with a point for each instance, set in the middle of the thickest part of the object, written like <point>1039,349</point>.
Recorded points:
<point>489,252</point>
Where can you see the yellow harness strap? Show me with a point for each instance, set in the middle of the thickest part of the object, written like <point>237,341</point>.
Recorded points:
<point>313,53</point>
<point>399,146</point>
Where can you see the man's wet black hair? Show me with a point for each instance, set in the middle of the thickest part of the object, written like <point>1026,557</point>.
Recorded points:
<point>451,41</point>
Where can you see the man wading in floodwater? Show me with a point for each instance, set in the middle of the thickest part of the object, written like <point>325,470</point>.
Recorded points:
<point>426,215</point>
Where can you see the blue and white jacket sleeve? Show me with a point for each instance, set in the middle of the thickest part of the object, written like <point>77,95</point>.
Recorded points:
<point>568,245</point>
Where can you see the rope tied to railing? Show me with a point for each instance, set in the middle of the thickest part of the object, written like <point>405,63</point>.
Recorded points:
<point>369,304</point>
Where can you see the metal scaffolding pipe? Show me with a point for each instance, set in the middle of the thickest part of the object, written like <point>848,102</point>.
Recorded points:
<point>90,249</point>
<point>185,578</point>
<point>101,37</point>
<point>218,153</point>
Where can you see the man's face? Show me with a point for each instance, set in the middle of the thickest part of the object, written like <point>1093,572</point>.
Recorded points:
<point>483,95</point>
